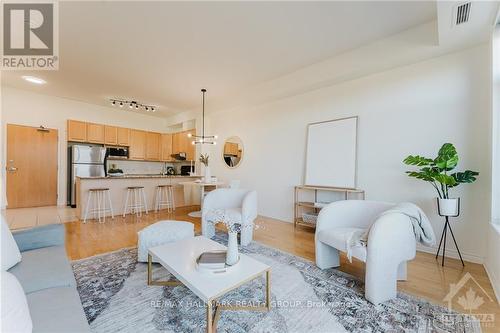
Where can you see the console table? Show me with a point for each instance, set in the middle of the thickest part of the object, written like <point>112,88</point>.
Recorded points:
<point>312,206</point>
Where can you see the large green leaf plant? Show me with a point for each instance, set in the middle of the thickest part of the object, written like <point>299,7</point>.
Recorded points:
<point>437,171</point>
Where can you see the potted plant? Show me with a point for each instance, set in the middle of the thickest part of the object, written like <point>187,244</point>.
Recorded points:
<point>437,172</point>
<point>204,160</point>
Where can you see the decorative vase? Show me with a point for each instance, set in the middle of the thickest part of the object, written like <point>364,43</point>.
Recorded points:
<point>232,248</point>
<point>448,207</point>
<point>208,175</point>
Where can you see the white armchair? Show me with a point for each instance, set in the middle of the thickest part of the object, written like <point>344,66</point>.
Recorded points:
<point>240,203</point>
<point>391,242</point>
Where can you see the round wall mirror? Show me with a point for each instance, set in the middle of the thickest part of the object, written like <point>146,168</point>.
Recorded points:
<point>232,153</point>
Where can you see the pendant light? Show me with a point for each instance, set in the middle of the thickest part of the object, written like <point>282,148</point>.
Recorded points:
<point>203,139</point>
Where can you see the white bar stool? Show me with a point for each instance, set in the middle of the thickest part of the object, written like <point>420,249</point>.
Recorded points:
<point>165,198</point>
<point>138,201</point>
<point>98,198</point>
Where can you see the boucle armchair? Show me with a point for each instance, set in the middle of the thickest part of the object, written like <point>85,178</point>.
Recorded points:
<point>240,204</point>
<point>391,243</point>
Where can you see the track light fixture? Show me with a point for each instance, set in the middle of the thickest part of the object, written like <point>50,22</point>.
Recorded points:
<point>133,104</point>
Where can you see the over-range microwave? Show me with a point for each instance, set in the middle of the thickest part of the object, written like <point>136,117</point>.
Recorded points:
<point>117,152</point>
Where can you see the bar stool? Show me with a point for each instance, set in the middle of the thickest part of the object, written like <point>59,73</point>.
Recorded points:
<point>98,197</point>
<point>164,198</point>
<point>138,201</point>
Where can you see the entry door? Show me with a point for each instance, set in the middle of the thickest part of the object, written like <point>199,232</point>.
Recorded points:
<point>31,166</point>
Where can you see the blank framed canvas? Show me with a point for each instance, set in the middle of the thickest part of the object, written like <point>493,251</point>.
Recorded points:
<point>331,153</point>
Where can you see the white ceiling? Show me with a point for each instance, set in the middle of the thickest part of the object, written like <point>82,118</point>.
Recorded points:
<point>163,52</point>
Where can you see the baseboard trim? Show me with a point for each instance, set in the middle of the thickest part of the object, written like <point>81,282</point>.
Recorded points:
<point>452,253</point>
<point>495,282</point>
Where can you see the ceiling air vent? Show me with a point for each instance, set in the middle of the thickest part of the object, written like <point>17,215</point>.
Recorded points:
<point>463,13</point>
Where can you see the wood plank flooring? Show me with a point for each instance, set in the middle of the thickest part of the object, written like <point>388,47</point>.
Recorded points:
<point>426,277</point>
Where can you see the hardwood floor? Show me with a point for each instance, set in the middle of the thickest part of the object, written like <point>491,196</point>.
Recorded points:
<point>426,277</point>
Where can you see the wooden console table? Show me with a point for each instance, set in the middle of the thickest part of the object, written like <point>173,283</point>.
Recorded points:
<point>300,206</point>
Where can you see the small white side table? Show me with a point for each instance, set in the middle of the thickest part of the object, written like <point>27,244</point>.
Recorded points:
<point>203,186</point>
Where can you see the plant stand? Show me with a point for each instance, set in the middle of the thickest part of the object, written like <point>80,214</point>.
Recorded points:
<point>443,234</point>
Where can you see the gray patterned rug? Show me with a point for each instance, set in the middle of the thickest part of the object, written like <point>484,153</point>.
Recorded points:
<point>116,298</point>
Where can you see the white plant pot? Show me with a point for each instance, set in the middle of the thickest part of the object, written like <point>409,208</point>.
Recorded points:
<point>232,255</point>
<point>448,207</point>
<point>208,175</point>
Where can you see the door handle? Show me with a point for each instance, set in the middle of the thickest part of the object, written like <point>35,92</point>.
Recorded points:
<point>11,169</point>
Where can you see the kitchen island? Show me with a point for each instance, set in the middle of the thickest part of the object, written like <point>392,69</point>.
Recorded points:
<point>118,190</point>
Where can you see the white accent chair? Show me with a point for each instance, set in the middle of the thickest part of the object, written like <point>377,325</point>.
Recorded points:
<point>391,243</point>
<point>240,203</point>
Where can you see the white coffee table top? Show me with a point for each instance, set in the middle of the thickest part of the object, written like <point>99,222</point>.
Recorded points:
<point>179,258</point>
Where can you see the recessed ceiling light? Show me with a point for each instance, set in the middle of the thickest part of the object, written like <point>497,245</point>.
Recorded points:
<point>34,79</point>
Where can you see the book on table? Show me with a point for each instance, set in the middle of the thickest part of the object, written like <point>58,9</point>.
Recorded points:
<point>213,260</point>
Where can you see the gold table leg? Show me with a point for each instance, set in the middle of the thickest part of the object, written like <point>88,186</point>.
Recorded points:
<point>268,290</point>
<point>210,323</point>
<point>152,282</point>
<point>213,317</point>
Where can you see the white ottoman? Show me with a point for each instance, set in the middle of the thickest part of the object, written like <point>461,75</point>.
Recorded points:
<point>160,233</point>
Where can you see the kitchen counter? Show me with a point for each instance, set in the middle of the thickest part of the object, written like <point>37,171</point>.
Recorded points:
<point>183,195</point>
<point>140,176</point>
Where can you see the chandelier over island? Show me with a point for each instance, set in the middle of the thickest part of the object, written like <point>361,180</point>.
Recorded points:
<point>203,139</point>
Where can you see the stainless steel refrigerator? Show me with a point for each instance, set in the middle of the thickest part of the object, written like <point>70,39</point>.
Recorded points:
<point>84,161</point>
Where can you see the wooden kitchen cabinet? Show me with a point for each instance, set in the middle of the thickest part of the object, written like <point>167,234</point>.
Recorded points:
<point>176,143</point>
<point>166,147</point>
<point>190,148</point>
<point>142,145</point>
<point>181,143</point>
<point>110,135</point>
<point>123,136</point>
<point>95,133</point>
<point>137,145</point>
<point>153,146</point>
<point>77,131</point>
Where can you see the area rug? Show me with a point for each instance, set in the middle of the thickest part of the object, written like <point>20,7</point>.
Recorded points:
<point>115,298</point>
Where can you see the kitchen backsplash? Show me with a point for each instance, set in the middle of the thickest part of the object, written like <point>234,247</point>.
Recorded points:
<point>138,167</point>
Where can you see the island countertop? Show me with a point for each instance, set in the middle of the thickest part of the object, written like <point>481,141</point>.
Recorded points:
<point>184,195</point>
<point>128,176</point>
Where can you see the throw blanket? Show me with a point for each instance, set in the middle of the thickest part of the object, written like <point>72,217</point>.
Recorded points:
<point>421,227</point>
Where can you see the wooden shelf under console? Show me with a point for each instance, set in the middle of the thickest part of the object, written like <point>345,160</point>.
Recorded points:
<point>311,207</point>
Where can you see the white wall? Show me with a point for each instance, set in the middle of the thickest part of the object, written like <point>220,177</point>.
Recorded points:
<point>492,261</point>
<point>495,75</point>
<point>412,109</point>
<point>31,109</point>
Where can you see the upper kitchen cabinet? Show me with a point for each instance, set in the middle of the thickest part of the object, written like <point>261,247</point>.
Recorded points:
<point>137,145</point>
<point>123,136</point>
<point>153,146</point>
<point>176,143</point>
<point>95,133</point>
<point>110,135</point>
<point>190,148</point>
<point>77,131</point>
<point>166,147</point>
<point>181,143</point>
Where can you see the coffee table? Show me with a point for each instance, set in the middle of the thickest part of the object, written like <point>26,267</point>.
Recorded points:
<point>179,258</point>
